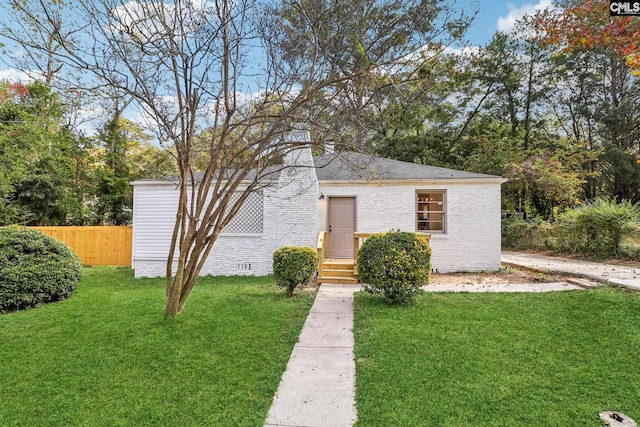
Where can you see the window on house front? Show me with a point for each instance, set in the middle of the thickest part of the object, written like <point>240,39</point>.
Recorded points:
<point>249,218</point>
<point>430,211</point>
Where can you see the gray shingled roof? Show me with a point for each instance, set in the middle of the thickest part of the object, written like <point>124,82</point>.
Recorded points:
<point>350,166</point>
<point>356,166</point>
<point>270,173</point>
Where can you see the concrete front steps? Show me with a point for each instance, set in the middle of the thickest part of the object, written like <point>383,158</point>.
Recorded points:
<point>340,271</point>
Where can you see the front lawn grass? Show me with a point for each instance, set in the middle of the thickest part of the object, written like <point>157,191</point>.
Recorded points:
<point>554,359</point>
<point>108,357</point>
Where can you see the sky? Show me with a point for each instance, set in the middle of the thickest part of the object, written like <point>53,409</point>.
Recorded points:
<point>498,15</point>
<point>493,15</point>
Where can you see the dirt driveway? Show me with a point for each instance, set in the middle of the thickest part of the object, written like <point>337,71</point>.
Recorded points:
<point>506,275</point>
<point>507,279</point>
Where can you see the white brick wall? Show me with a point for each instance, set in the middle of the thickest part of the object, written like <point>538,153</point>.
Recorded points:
<point>472,240</point>
<point>298,201</point>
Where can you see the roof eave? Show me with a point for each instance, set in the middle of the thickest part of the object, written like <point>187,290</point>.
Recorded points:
<point>175,183</point>
<point>413,181</point>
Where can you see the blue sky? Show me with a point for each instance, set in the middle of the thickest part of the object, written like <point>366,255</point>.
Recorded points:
<point>500,15</point>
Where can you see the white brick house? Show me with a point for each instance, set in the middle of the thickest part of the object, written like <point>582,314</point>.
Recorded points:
<point>340,194</point>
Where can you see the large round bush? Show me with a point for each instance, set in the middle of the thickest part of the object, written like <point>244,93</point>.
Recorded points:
<point>34,269</point>
<point>396,265</point>
<point>294,266</point>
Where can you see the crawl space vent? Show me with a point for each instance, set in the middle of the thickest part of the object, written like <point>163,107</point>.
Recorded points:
<point>244,266</point>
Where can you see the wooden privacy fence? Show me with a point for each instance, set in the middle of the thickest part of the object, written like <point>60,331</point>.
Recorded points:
<point>96,245</point>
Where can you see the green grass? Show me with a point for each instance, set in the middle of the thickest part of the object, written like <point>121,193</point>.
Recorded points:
<point>555,359</point>
<point>108,357</point>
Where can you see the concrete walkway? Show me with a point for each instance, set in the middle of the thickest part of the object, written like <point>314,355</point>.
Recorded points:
<point>318,386</point>
<point>615,274</point>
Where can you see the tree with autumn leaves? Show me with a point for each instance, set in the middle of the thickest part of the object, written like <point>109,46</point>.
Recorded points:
<point>587,24</point>
<point>606,51</point>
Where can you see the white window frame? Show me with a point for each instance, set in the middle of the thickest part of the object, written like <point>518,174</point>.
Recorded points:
<point>422,214</point>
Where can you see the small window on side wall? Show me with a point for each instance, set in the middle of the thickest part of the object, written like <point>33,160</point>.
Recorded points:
<point>431,211</point>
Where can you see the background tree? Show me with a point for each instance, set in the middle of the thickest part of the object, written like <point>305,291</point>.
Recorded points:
<point>13,168</point>
<point>114,196</point>
<point>146,160</point>
<point>373,49</point>
<point>50,175</point>
<point>415,122</point>
<point>125,154</point>
<point>38,152</point>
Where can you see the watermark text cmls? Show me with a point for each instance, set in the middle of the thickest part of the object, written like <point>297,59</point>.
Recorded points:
<point>624,8</point>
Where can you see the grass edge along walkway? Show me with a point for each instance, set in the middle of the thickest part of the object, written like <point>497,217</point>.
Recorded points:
<point>553,359</point>
<point>107,356</point>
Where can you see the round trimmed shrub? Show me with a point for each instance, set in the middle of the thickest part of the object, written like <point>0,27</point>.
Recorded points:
<point>34,269</point>
<point>294,266</point>
<point>396,265</point>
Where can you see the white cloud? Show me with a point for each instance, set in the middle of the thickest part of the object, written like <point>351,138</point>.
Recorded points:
<point>85,118</point>
<point>461,51</point>
<point>507,23</point>
<point>411,61</point>
<point>148,22</point>
<point>15,76</point>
